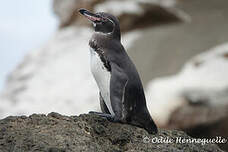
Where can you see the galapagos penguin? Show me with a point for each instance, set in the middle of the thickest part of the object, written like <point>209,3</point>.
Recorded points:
<point>121,94</point>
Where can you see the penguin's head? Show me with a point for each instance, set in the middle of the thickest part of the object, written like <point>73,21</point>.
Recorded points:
<point>103,22</point>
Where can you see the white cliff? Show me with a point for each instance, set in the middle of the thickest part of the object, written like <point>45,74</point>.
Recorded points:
<point>202,80</point>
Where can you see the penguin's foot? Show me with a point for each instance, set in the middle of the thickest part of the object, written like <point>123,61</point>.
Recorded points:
<point>94,112</point>
<point>104,115</point>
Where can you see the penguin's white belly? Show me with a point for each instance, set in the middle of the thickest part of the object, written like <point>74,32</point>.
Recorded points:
<point>102,77</point>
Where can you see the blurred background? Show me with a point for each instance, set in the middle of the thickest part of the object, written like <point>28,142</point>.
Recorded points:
<point>180,49</point>
<point>25,25</point>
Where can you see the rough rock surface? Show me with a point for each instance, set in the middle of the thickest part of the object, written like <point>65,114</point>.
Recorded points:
<point>57,133</point>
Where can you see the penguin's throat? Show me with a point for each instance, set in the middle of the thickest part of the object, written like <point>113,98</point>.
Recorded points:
<point>93,44</point>
<point>94,47</point>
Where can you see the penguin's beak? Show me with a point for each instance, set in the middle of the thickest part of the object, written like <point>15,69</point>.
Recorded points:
<point>91,16</point>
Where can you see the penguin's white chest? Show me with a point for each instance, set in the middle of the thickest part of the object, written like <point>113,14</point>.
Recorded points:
<point>102,77</point>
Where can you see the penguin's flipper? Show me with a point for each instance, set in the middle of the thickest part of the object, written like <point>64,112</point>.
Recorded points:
<point>103,106</point>
<point>118,83</point>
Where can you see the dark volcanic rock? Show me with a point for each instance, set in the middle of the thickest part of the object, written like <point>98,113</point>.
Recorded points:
<point>57,133</point>
<point>201,121</point>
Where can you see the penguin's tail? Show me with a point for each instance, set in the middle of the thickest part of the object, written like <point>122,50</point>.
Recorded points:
<point>143,119</point>
<point>151,127</point>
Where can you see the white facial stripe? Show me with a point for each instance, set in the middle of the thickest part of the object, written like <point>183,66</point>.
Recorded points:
<point>111,21</point>
<point>94,24</point>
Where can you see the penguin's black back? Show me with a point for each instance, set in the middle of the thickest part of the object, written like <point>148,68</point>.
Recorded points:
<point>134,97</point>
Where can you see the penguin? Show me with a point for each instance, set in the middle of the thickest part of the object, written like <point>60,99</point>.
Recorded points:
<point>122,97</point>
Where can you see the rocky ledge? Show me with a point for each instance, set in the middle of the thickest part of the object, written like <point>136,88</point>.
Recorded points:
<point>58,133</point>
